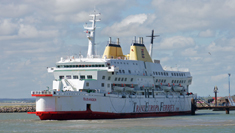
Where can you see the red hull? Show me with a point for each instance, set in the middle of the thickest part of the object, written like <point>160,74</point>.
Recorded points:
<point>82,115</point>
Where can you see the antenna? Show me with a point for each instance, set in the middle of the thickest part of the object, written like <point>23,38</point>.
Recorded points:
<point>151,44</point>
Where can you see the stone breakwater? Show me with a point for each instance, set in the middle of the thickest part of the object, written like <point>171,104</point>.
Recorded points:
<point>17,109</point>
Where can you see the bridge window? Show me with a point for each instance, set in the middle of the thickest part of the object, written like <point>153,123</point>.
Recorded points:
<point>119,79</point>
<point>125,79</point>
<point>61,77</point>
<point>129,71</point>
<point>131,79</point>
<point>89,76</point>
<point>123,71</point>
<point>68,76</point>
<point>82,76</point>
<point>120,71</point>
<point>115,79</point>
<point>75,76</point>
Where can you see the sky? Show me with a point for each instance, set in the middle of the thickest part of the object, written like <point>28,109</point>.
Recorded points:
<point>195,34</point>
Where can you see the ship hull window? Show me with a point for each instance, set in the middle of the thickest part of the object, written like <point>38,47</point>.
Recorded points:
<point>102,84</point>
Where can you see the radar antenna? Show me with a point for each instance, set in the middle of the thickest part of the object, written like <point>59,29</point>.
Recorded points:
<point>151,44</point>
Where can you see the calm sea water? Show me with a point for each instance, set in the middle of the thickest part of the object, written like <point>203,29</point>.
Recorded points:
<point>203,121</point>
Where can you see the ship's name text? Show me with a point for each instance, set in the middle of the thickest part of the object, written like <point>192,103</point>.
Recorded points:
<point>154,108</point>
<point>89,99</point>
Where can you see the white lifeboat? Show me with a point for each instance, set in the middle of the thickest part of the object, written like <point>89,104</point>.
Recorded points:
<point>128,89</point>
<point>118,88</point>
<point>166,88</point>
<point>178,88</point>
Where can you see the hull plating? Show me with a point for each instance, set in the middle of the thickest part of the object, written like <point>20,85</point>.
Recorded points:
<point>83,115</point>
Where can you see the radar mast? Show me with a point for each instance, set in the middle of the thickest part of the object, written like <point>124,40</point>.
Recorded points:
<point>90,32</point>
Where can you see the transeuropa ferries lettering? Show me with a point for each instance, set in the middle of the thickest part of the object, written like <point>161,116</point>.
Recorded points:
<point>154,108</point>
<point>89,99</point>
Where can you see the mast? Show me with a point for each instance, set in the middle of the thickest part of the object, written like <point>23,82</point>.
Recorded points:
<point>90,32</point>
<point>151,44</point>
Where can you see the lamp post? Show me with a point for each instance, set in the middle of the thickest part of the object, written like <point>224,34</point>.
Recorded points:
<point>216,91</point>
<point>229,83</point>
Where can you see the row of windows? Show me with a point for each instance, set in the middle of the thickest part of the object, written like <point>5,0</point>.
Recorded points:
<point>72,66</point>
<point>160,73</point>
<point>123,71</point>
<point>76,77</point>
<point>166,74</point>
<point>103,77</point>
<point>177,74</point>
<point>161,80</point>
<point>122,79</point>
<point>173,81</point>
<point>178,81</point>
<point>123,63</point>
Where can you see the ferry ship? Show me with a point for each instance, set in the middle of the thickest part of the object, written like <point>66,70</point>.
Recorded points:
<point>114,85</point>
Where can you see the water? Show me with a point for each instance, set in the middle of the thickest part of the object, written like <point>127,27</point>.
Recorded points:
<point>203,121</point>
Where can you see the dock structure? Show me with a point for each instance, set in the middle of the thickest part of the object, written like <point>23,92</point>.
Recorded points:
<point>194,107</point>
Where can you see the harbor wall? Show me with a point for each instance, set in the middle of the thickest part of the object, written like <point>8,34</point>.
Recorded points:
<point>17,109</point>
